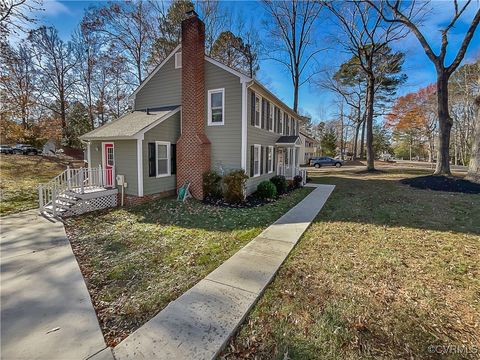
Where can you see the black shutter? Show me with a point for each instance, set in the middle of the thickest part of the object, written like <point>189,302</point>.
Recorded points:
<point>261,160</point>
<point>152,161</point>
<point>263,114</point>
<point>275,119</point>
<point>173,159</point>
<point>268,115</point>
<point>252,160</point>
<point>274,159</point>
<point>252,120</point>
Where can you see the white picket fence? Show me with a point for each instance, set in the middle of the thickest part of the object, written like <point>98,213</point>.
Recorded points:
<point>77,181</point>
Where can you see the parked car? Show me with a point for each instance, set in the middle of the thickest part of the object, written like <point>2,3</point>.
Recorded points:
<point>22,149</point>
<point>6,149</point>
<point>325,161</point>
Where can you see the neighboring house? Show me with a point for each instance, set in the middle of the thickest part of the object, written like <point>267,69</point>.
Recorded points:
<point>309,148</point>
<point>193,114</point>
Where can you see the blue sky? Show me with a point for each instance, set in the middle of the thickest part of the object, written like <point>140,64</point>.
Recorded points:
<point>65,16</point>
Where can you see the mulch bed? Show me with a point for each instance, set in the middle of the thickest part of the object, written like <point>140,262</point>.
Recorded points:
<point>443,183</point>
<point>250,202</point>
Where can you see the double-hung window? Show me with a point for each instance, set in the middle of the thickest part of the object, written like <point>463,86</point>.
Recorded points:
<point>163,158</point>
<point>256,159</point>
<point>270,159</point>
<point>216,107</point>
<point>258,101</point>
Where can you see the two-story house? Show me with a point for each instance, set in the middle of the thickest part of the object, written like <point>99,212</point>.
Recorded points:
<point>193,114</point>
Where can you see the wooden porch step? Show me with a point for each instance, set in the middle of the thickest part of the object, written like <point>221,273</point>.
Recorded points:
<point>49,208</point>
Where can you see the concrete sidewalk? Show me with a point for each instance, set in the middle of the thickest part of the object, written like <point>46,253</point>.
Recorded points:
<point>200,322</point>
<point>46,311</point>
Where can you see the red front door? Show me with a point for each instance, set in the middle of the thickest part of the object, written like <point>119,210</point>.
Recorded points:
<point>109,163</point>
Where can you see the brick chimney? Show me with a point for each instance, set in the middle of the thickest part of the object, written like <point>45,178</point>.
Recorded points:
<point>193,146</point>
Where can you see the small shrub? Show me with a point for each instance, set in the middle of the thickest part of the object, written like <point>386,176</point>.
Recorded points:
<point>212,185</point>
<point>280,183</point>
<point>297,181</point>
<point>266,190</point>
<point>234,186</point>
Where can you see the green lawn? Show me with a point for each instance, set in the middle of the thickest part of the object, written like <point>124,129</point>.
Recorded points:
<point>19,179</point>
<point>384,272</point>
<point>136,260</point>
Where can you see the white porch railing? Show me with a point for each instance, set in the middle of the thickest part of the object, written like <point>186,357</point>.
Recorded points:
<point>77,180</point>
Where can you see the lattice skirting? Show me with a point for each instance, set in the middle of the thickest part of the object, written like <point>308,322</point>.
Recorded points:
<point>87,205</point>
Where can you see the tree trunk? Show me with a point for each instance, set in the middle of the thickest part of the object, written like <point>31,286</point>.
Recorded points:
<point>295,92</point>
<point>369,124</point>
<point>355,143</point>
<point>445,123</point>
<point>362,143</point>
<point>474,166</point>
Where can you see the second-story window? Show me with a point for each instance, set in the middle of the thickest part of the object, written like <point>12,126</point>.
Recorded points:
<point>216,107</point>
<point>287,124</point>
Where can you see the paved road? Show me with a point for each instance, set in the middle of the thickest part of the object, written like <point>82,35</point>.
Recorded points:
<point>399,164</point>
<point>46,311</point>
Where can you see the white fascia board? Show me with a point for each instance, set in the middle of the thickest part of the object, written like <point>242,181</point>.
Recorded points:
<point>243,150</point>
<point>243,78</point>
<point>141,133</point>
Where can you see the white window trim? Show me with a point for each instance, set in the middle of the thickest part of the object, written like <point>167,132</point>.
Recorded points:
<point>178,60</point>
<point>272,117</point>
<point>270,153</point>
<point>259,126</point>
<point>215,91</point>
<point>169,160</point>
<point>255,147</point>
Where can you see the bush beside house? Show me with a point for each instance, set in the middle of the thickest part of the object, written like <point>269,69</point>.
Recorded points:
<point>230,189</point>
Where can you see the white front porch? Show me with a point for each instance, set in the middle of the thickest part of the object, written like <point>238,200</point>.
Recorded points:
<point>76,191</point>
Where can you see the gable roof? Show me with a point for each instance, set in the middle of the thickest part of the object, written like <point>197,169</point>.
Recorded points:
<point>288,140</point>
<point>241,76</point>
<point>131,125</point>
<point>308,136</point>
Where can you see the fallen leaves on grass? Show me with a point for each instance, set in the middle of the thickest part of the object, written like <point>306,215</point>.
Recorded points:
<point>136,260</point>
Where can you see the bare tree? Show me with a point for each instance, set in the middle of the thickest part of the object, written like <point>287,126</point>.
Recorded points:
<point>367,37</point>
<point>291,26</point>
<point>54,62</point>
<point>17,83</point>
<point>14,16</point>
<point>474,166</point>
<point>409,14</point>
<point>126,26</point>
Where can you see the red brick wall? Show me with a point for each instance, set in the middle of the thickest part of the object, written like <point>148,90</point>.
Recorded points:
<point>193,146</point>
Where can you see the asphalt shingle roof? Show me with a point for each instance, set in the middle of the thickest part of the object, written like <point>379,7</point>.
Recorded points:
<point>128,125</point>
<point>290,139</point>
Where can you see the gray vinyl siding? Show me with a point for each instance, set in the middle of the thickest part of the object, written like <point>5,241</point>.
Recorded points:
<point>168,130</point>
<point>225,139</point>
<point>125,156</point>
<point>163,89</point>
<point>261,137</point>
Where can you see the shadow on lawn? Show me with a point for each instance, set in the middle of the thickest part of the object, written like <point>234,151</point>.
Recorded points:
<point>196,215</point>
<point>364,199</point>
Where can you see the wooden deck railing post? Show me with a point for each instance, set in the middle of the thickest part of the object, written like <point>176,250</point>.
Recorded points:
<point>40,197</point>
<point>82,177</point>
<point>100,175</point>
<point>54,198</point>
<point>69,178</point>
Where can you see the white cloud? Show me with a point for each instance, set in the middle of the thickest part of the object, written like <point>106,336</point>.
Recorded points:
<point>54,8</point>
